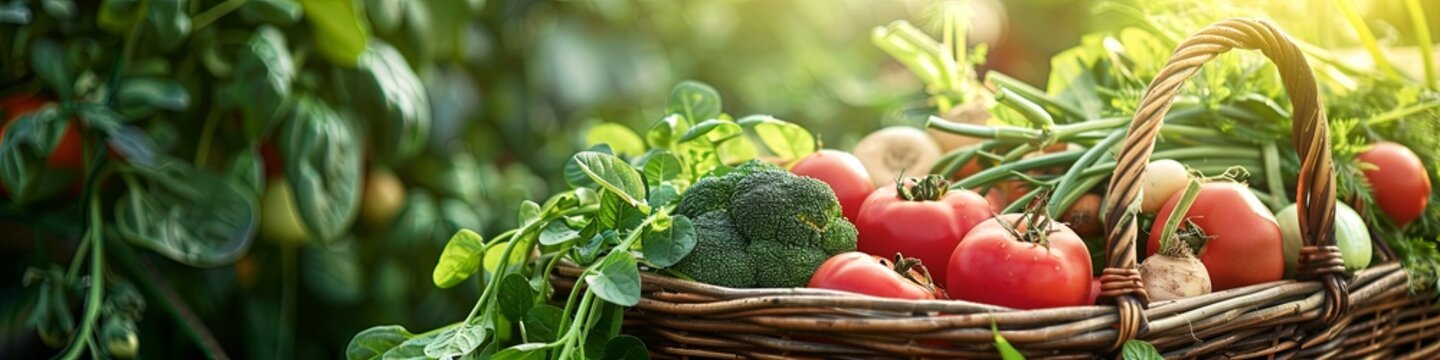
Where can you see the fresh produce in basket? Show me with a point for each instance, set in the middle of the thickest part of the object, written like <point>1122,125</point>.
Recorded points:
<point>1399,180</point>
<point>1350,235</point>
<point>760,226</point>
<point>921,218</point>
<point>857,272</point>
<point>892,152</point>
<point>845,175</point>
<point>1173,272</point>
<point>1242,242</point>
<point>1022,261</point>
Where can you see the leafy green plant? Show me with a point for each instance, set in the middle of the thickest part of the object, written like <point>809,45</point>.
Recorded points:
<point>614,222</point>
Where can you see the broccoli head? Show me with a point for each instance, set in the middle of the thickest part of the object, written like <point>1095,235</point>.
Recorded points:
<point>781,265</point>
<point>719,257</point>
<point>783,207</point>
<point>761,226</point>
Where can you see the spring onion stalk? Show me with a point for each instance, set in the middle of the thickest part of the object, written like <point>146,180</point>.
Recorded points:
<point>1367,38</point>
<point>1422,35</point>
<point>1031,93</point>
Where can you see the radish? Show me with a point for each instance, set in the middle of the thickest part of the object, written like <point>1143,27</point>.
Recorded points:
<point>1163,178</point>
<point>1174,272</point>
<point>894,151</point>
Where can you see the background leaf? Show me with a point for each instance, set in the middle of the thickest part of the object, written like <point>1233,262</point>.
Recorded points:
<point>189,215</point>
<point>340,34</point>
<point>694,100</point>
<point>323,163</point>
<point>386,93</point>
<point>621,139</point>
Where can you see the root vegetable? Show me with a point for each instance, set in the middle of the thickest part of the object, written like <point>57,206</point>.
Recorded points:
<point>1173,272</point>
<point>891,151</point>
<point>1163,178</point>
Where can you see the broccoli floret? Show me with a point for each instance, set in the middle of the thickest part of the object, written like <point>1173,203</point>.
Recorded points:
<point>780,265</point>
<point>783,207</point>
<point>713,193</point>
<point>707,195</point>
<point>719,257</point>
<point>762,226</point>
<point>839,236</point>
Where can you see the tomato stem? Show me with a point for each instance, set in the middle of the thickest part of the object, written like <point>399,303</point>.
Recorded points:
<point>929,188</point>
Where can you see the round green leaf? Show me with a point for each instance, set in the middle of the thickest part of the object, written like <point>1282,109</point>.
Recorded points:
<point>374,342</point>
<point>694,100</point>
<point>661,167</point>
<point>625,347</point>
<point>515,296</point>
<point>165,94</point>
<point>620,138</point>
<point>460,259</point>
<point>323,164</point>
<point>715,130</point>
<point>785,139</point>
<point>613,174</point>
<point>542,322</point>
<point>665,248</point>
<point>617,279</point>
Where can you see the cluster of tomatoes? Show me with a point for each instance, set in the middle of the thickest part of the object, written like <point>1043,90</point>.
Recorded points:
<point>974,254</point>
<point>1024,261</point>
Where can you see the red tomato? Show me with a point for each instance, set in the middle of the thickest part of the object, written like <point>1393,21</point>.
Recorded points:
<point>1243,245</point>
<point>1402,189</point>
<point>844,173</point>
<point>271,156</point>
<point>1094,291</point>
<point>67,154</point>
<point>862,273</point>
<point>991,266</point>
<point>927,229</point>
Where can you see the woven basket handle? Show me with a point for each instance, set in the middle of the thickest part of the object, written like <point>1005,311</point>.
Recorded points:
<point>1315,193</point>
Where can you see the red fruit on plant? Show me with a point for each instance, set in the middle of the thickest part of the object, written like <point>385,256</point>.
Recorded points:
<point>844,173</point>
<point>863,273</point>
<point>919,218</point>
<point>1401,186</point>
<point>67,154</point>
<point>1243,243</point>
<point>1046,266</point>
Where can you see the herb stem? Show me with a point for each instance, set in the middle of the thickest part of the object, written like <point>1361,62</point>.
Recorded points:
<point>1422,36</point>
<point>207,134</point>
<point>1401,113</point>
<point>97,282</point>
<point>1029,109</point>
<point>215,13</point>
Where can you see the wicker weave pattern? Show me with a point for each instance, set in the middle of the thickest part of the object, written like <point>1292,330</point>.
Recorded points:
<point>1305,319</point>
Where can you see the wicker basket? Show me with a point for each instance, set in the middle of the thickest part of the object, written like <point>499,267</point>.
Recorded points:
<point>1324,316</point>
